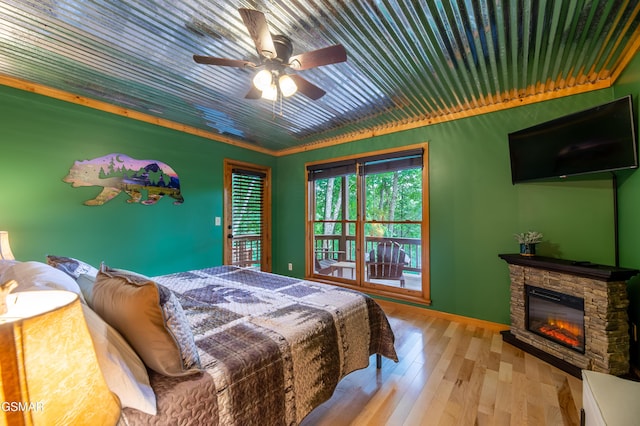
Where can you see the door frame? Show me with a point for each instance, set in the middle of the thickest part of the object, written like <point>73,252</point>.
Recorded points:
<point>229,165</point>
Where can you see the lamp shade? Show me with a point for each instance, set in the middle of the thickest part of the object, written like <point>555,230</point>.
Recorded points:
<point>270,93</point>
<point>263,79</point>
<point>5,249</point>
<point>287,86</point>
<point>49,370</point>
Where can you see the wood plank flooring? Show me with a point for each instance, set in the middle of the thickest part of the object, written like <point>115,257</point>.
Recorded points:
<point>451,373</point>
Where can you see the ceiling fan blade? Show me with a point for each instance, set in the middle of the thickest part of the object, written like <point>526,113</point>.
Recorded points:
<point>210,60</point>
<point>253,93</point>
<point>320,57</point>
<point>258,27</point>
<point>308,89</point>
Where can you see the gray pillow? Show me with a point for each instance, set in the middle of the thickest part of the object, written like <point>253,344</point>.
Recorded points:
<point>70,266</point>
<point>86,283</point>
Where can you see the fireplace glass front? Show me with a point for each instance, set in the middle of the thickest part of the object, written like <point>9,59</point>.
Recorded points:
<point>556,316</point>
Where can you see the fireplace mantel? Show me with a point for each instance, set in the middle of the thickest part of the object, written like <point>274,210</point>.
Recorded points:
<point>572,267</point>
<point>604,292</point>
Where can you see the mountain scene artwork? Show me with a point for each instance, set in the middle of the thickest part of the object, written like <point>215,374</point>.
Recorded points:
<point>118,172</point>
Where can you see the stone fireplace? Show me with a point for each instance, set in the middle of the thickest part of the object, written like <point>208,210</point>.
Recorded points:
<point>572,314</point>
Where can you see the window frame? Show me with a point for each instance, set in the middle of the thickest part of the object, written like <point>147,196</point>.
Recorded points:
<point>360,283</point>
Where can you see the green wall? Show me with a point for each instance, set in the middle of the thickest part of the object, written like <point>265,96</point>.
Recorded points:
<point>629,207</point>
<point>474,208</point>
<point>40,138</point>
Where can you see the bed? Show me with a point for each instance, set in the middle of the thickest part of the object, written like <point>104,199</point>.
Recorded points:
<point>261,348</point>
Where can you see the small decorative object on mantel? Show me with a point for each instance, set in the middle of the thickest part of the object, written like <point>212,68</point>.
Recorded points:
<point>528,241</point>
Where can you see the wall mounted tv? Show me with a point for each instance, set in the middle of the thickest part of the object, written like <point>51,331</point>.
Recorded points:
<point>595,140</point>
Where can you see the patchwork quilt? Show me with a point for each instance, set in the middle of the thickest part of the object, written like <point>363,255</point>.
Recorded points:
<point>272,347</point>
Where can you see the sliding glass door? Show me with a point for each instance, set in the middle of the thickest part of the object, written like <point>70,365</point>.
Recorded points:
<point>368,222</point>
<point>334,223</point>
<point>393,221</point>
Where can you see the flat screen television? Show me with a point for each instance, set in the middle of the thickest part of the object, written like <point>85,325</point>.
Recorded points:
<point>595,140</point>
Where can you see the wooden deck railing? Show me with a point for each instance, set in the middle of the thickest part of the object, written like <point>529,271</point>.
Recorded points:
<point>343,248</point>
<point>247,251</point>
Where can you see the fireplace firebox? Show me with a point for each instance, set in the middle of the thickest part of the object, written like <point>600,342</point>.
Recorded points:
<point>555,316</point>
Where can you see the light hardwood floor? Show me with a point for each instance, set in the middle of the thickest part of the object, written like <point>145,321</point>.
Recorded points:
<point>452,373</point>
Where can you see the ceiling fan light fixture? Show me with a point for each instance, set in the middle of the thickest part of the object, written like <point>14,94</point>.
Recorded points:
<point>287,86</point>
<point>275,52</point>
<point>270,93</point>
<point>263,80</point>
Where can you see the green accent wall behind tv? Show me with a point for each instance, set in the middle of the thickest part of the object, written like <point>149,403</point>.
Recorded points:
<point>629,205</point>
<point>474,208</point>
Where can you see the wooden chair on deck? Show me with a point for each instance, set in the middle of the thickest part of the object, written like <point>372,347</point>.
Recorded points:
<point>325,266</point>
<point>242,255</point>
<point>387,262</point>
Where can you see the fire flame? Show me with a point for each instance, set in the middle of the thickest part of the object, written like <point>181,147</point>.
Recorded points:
<point>562,331</point>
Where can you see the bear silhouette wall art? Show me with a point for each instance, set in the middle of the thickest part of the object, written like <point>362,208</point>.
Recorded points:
<point>118,172</point>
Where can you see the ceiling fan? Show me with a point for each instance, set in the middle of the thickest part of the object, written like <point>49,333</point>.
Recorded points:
<point>275,56</point>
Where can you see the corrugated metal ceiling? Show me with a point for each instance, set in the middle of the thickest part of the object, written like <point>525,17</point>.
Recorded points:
<point>409,61</point>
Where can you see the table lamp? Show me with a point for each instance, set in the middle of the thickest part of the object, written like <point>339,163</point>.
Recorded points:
<point>5,248</point>
<point>49,373</point>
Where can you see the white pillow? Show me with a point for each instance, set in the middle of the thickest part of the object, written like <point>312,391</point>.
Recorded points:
<point>40,276</point>
<point>121,367</point>
<point>4,266</point>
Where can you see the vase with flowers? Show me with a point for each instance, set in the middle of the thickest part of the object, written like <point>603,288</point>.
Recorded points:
<point>528,241</point>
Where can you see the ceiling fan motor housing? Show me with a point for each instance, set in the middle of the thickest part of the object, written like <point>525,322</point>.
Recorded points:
<point>284,48</point>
